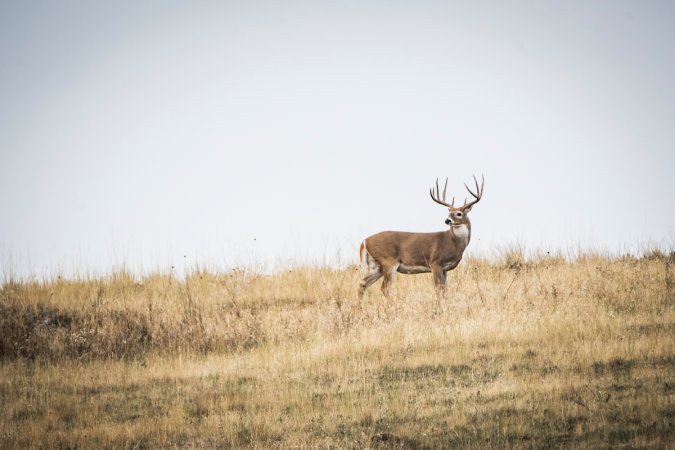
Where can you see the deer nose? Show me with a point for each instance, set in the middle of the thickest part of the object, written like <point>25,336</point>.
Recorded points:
<point>448,221</point>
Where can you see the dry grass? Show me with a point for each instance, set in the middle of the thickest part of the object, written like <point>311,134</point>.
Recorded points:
<point>523,353</point>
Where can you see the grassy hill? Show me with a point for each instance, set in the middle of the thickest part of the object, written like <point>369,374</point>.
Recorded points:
<point>541,353</point>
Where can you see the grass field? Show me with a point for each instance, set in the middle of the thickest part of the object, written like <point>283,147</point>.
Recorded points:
<point>539,353</point>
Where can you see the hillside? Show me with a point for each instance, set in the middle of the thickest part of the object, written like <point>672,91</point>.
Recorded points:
<point>542,353</point>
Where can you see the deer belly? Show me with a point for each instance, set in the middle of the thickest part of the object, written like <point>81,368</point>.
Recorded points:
<point>402,268</point>
<point>449,266</point>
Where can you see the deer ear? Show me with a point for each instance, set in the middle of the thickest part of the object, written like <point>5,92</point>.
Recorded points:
<point>467,209</point>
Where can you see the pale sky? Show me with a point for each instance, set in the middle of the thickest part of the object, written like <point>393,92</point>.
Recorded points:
<point>152,134</point>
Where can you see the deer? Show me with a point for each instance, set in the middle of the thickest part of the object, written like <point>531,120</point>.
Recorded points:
<point>389,252</point>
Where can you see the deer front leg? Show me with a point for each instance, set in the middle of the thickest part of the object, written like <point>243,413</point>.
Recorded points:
<point>439,279</point>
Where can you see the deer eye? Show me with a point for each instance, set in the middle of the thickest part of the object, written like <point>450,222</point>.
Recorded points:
<point>459,214</point>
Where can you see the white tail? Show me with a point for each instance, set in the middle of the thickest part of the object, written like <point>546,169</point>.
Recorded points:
<point>363,255</point>
<point>386,253</point>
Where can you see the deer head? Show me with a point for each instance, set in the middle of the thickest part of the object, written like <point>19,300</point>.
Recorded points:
<point>457,215</point>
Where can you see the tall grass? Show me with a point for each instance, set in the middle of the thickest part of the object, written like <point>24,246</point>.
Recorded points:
<point>524,351</point>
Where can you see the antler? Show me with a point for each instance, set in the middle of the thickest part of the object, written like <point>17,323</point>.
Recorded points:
<point>478,194</point>
<point>435,196</point>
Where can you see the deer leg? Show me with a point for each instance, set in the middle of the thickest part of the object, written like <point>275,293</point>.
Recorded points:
<point>389,273</point>
<point>439,279</point>
<point>373,276</point>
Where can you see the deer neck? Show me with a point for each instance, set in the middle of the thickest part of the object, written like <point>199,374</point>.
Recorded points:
<point>461,234</point>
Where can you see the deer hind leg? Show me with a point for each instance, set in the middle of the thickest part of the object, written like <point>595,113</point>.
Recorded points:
<point>374,274</point>
<point>373,268</point>
<point>389,275</point>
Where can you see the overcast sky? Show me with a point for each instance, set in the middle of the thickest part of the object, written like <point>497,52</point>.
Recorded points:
<point>151,134</point>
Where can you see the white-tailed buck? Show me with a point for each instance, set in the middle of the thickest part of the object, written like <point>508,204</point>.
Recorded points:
<point>383,254</point>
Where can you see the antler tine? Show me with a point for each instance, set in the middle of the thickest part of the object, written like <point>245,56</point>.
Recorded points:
<point>435,196</point>
<point>479,191</point>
